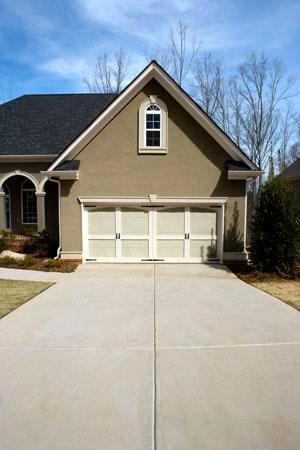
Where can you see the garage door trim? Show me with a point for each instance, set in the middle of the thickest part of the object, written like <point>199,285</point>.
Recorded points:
<point>147,203</point>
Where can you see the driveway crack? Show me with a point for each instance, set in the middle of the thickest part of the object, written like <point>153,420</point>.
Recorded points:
<point>154,414</point>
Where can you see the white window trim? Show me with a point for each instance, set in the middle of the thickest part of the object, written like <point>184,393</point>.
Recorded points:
<point>146,113</point>
<point>7,196</point>
<point>163,148</point>
<point>22,206</point>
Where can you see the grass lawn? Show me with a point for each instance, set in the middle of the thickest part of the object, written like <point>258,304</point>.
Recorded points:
<point>14,293</point>
<point>285,289</point>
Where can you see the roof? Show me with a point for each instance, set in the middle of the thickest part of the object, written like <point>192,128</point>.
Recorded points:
<point>155,71</point>
<point>61,125</point>
<point>293,171</point>
<point>47,124</point>
<point>69,165</point>
<point>236,165</point>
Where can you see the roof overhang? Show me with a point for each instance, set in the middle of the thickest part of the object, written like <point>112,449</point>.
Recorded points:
<point>153,71</point>
<point>61,174</point>
<point>27,158</point>
<point>244,174</point>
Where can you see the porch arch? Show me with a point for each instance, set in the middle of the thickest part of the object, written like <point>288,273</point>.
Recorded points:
<point>38,189</point>
<point>40,198</point>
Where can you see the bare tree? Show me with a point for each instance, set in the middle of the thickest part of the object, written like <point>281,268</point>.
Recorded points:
<point>161,55</point>
<point>208,83</point>
<point>261,89</point>
<point>178,55</point>
<point>109,75</point>
<point>183,51</point>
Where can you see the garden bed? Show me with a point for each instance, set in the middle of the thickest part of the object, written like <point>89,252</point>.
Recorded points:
<point>45,265</point>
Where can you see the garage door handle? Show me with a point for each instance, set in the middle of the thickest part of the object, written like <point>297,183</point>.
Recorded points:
<point>187,236</point>
<point>118,236</point>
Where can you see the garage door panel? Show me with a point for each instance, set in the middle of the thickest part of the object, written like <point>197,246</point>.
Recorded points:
<point>102,248</point>
<point>102,221</point>
<point>203,249</point>
<point>203,222</point>
<point>134,222</point>
<point>133,248</point>
<point>170,248</point>
<point>170,222</point>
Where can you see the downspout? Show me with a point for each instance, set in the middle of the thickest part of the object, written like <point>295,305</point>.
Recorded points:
<point>59,218</point>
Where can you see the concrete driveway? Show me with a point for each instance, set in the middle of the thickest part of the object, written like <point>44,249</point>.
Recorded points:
<point>137,357</point>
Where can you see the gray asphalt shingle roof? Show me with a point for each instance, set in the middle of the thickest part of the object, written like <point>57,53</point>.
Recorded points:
<point>47,124</point>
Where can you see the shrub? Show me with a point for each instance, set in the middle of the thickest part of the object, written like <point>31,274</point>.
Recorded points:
<point>28,261</point>
<point>5,237</point>
<point>52,264</point>
<point>47,246</point>
<point>8,261</point>
<point>275,238</point>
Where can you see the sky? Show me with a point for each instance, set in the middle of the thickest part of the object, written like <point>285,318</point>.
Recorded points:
<point>50,46</point>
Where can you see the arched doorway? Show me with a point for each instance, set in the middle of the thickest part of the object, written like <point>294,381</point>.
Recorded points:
<point>20,204</point>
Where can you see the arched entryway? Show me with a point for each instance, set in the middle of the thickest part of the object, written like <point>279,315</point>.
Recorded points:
<point>21,213</point>
<point>27,206</point>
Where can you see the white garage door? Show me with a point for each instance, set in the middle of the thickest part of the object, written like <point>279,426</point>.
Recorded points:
<point>137,234</point>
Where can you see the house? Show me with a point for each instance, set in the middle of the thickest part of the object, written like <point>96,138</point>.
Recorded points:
<point>144,175</point>
<point>292,174</point>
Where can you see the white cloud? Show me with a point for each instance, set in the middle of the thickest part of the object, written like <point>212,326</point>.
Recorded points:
<point>68,68</point>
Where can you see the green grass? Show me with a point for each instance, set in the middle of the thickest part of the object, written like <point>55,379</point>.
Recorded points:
<point>14,293</point>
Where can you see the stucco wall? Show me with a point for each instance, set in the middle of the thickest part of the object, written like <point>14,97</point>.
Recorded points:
<point>111,166</point>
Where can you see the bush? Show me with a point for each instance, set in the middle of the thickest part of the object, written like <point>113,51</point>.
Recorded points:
<point>7,261</point>
<point>52,264</point>
<point>28,261</point>
<point>5,237</point>
<point>275,238</point>
<point>47,246</point>
<point>42,245</point>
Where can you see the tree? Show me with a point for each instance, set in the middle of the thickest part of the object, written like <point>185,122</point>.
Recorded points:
<point>262,89</point>
<point>109,75</point>
<point>178,55</point>
<point>208,86</point>
<point>182,57</point>
<point>275,237</point>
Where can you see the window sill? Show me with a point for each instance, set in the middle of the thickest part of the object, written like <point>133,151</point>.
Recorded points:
<point>153,150</point>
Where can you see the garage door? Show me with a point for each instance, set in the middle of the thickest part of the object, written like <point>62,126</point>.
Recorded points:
<point>163,234</point>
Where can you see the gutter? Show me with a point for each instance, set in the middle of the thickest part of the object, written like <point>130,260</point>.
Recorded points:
<point>61,174</point>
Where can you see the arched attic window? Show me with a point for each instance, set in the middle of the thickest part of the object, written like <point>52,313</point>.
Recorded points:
<point>29,204</point>
<point>153,126</point>
<point>7,207</point>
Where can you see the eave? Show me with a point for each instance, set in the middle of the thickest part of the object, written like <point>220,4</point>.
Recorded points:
<point>27,158</point>
<point>61,174</point>
<point>244,174</point>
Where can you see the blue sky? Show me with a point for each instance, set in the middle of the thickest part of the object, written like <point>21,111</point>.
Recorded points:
<point>50,46</point>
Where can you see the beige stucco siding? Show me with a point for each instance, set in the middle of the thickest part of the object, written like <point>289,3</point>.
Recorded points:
<point>111,166</point>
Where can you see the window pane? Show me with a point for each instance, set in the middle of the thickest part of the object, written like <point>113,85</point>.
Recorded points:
<point>29,207</point>
<point>152,138</point>
<point>7,211</point>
